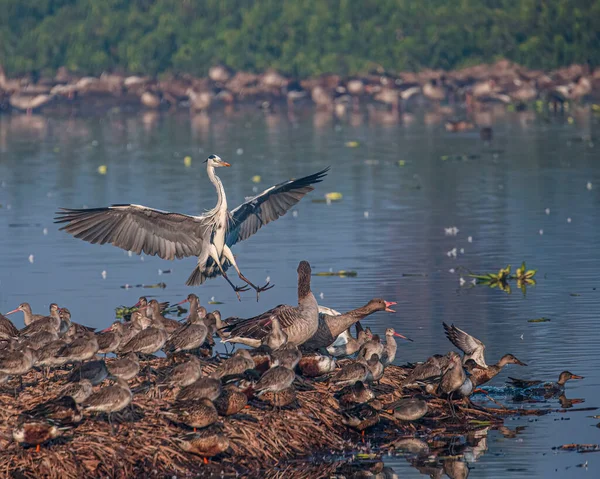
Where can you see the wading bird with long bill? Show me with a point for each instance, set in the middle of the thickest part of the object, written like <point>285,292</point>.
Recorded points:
<point>174,235</point>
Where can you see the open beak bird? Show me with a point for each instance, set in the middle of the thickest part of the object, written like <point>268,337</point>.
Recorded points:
<point>174,235</point>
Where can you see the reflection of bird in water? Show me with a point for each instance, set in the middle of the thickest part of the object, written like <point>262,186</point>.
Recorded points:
<point>567,403</point>
<point>173,235</point>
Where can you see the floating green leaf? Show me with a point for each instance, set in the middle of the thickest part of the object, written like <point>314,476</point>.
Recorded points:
<point>539,320</point>
<point>341,273</point>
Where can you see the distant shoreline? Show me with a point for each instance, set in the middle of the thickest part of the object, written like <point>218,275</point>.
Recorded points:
<point>475,87</point>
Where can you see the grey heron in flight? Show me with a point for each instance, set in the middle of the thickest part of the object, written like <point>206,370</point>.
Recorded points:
<point>174,235</point>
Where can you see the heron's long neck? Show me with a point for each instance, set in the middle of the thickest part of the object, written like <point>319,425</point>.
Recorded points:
<point>221,199</point>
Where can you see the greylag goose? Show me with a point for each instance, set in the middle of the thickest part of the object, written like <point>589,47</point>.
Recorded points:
<point>331,326</point>
<point>299,322</point>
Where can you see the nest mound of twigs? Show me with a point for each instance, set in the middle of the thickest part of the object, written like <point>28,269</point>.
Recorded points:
<point>261,437</point>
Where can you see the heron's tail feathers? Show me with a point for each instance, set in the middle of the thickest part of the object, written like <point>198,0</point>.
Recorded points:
<point>210,270</point>
<point>196,278</point>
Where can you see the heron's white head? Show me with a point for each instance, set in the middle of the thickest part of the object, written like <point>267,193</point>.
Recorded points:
<point>216,162</point>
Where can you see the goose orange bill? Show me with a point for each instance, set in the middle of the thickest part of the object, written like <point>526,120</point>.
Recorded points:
<point>388,304</point>
<point>403,337</point>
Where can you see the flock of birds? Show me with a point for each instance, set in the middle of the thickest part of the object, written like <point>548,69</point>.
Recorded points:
<point>289,346</point>
<point>285,347</point>
<point>503,82</point>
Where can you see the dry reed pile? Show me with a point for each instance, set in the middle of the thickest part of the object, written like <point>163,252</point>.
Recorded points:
<point>261,438</point>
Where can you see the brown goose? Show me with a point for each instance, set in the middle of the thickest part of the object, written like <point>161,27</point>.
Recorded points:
<point>331,326</point>
<point>29,317</point>
<point>7,328</point>
<point>173,235</point>
<point>147,341</point>
<point>237,364</point>
<point>299,322</point>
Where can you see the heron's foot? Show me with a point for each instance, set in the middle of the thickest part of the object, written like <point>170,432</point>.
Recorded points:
<point>260,289</point>
<point>240,289</point>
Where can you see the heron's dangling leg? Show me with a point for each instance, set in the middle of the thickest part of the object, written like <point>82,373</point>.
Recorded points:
<point>259,289</point>
<point>213,254</point>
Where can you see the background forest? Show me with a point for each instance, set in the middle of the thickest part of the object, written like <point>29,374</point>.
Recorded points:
<point>300,38</point>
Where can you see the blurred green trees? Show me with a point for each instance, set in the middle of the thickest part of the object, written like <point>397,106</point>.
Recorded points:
<point>300,37</point>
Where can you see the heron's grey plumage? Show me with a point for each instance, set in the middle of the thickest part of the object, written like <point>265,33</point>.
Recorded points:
<point>146,230</point>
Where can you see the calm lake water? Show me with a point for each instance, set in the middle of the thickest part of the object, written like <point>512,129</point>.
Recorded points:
<point>532,195</point>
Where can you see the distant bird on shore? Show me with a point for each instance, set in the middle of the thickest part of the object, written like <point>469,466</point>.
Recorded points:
<point>174,235</point>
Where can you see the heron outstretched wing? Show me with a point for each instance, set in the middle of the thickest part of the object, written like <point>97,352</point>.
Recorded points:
<point>139,229</point>
<point>247,219</point>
